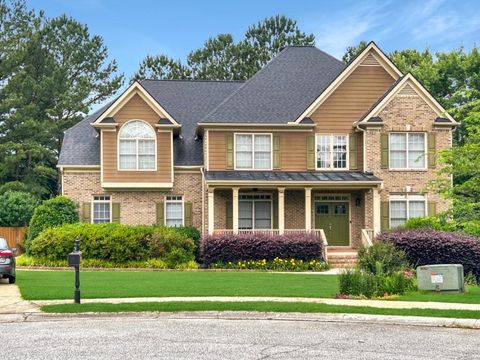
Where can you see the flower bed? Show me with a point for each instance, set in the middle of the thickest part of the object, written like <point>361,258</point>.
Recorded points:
<point>276,264</point>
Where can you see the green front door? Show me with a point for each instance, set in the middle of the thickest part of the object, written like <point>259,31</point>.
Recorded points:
<point>333,218</point>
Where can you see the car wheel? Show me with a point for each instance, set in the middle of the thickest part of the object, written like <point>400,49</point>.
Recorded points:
<point>11,279</point>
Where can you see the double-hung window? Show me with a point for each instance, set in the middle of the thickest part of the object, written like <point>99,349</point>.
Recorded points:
<point>101,209</point>
<point>255,211</point>
<point>174,211</point>
<point>253,151</point>
<point>136,146</point>
<point>407,151</point>
<point>332,151</point>
<point>404,207</point>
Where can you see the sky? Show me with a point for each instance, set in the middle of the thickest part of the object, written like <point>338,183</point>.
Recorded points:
<point>133,29</point>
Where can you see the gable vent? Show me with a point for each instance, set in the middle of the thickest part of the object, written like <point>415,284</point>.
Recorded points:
<point>407,90</point>
<point>370,60</point>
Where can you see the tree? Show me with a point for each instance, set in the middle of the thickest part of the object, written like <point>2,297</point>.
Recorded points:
<point>221,58</point>
<point>16,208</point>
<point>52,71</point>
<point>353,51</point>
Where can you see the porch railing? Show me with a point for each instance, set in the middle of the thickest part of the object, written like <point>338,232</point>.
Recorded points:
<point>367,237</point>
<point>319,232</point>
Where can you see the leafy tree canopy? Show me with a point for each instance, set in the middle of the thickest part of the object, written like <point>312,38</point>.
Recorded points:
<point>221,58</point>
<point>16,208</point>
<point>52,70</point>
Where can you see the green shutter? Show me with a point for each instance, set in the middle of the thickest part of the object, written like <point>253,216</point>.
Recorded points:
<point>353,152</point>
<point>188,209</point>
<point>384,215</point>
<point>432,208</point>
<point>229,151</point>
<point>432,149</point>
<point>160,210</point>
<point>384,150</point>
<point>116,213</point>
<point>229,215</point>
<point>276,151</point>
<point>87,212</point>
<point>311,152</point>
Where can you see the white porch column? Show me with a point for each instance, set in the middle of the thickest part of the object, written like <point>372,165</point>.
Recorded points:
<point>376,212</point>
<point>281,210</point>
<point>308,208</point>
<point>235,209</point>
<point>211,211</point>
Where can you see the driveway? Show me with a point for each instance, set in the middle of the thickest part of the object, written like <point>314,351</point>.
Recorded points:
<point>11,302</point>
<point>174,337</point>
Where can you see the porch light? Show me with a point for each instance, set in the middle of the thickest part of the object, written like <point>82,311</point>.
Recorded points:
<point>358,201</point>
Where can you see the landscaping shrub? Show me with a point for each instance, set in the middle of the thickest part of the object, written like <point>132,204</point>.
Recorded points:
<point>381,258</point>
<point>116,243</point>
<point>276,265</point>
<point>16,208</point>
<point>53,212</point>
<point>361,283</point>
<point>427,246</point>
<point>431,222</point>
<point>237,247</point>
<point>192,233</point>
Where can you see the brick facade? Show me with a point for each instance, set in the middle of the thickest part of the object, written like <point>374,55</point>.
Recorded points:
<point>136,207</point>
<point>406,113</point>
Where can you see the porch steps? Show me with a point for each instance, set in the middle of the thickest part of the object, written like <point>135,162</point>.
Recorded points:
<point>342,257</point>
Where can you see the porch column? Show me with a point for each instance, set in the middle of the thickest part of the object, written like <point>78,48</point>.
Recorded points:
<point>376,212</point>
<point>281,210</point>
<point>308,208</point>
<point>211,211</point>
<point>235,209</point>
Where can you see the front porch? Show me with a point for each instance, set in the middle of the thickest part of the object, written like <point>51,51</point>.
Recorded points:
<point>344,219</point>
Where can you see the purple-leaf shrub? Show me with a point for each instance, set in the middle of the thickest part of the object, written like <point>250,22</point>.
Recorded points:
<point>235,247</point>
<point>427,246</point>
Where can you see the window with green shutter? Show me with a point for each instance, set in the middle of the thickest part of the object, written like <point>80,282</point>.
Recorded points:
<point>87,212</point>
<point>384,153</point>
<point>116,213</point>
<point>311,152</point>
<point>276,151</point>
<point>160,212</point>
<point>432,149</point>
<point>353,151</point>
<point>229,151</point>
<point>188,208</point>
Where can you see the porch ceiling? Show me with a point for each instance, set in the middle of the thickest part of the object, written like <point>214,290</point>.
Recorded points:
<point>294,177</point>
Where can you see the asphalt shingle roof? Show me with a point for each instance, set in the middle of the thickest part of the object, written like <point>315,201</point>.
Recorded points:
<point>280,91</point>
<point>318,176</point>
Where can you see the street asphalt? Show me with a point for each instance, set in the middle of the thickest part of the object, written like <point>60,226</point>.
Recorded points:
<point>177,337</point>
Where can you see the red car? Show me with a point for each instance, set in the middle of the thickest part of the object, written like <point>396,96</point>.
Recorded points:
<point>7,261</point>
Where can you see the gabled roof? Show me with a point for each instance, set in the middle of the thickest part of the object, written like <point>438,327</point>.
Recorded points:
<point>409,79</point>
<point>185,100</point>
<point>280,91</point>
<point>371,52</point>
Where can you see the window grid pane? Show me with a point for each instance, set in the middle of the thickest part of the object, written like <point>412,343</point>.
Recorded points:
<point>137,147</point>
<point>101,212</point>
<point>174,213</point>
<point>339,151</point>
<point>253,151</point>
<point>245,214</point>
<point>398,213</point>
<point>323,151</point>
<point>263,215</point>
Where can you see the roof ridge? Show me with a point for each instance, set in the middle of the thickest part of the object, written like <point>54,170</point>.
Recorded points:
<point>192,80</point>
<point>244,84</point>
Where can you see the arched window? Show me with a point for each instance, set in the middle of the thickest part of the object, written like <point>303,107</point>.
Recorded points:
<point>136,146</point>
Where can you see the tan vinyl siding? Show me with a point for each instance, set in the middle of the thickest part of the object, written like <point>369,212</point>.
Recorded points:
<point>136,108</point>
<point>293,150</point>
<point>352,99</point>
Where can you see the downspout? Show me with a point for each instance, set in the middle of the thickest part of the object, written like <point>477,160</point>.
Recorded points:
<point>203,200</point>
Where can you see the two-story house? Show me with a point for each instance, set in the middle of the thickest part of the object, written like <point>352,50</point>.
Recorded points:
<point>307,143</point>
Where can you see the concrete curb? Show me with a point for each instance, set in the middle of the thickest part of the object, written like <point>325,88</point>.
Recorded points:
<point>253,316</point>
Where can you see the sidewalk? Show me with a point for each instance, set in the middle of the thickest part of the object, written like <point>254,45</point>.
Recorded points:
<point>370,303</point>
<point>11,301</point>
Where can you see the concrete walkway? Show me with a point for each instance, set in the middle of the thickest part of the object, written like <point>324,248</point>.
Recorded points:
<point>370,303</point>
<point>11,301</point>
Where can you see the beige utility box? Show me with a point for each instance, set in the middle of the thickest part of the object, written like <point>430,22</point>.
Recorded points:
<point>444,277</point>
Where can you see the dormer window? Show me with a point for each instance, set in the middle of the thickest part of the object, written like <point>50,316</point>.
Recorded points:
<point>136,146</point>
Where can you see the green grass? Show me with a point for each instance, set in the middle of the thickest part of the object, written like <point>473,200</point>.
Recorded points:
<point>259,306</point>
<point>46,285</point>
<point>471,296</point>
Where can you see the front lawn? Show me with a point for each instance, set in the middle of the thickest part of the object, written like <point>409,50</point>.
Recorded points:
<point>46,285</point>
<point>261,306</point>
<point>49,285</point>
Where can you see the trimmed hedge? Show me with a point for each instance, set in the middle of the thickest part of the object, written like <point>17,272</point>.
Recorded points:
<point>116,243</point>
<point>427,246</point>
<point>237,247</point>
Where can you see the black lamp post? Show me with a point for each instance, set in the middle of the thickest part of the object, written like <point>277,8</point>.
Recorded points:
<point>74,261</point>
